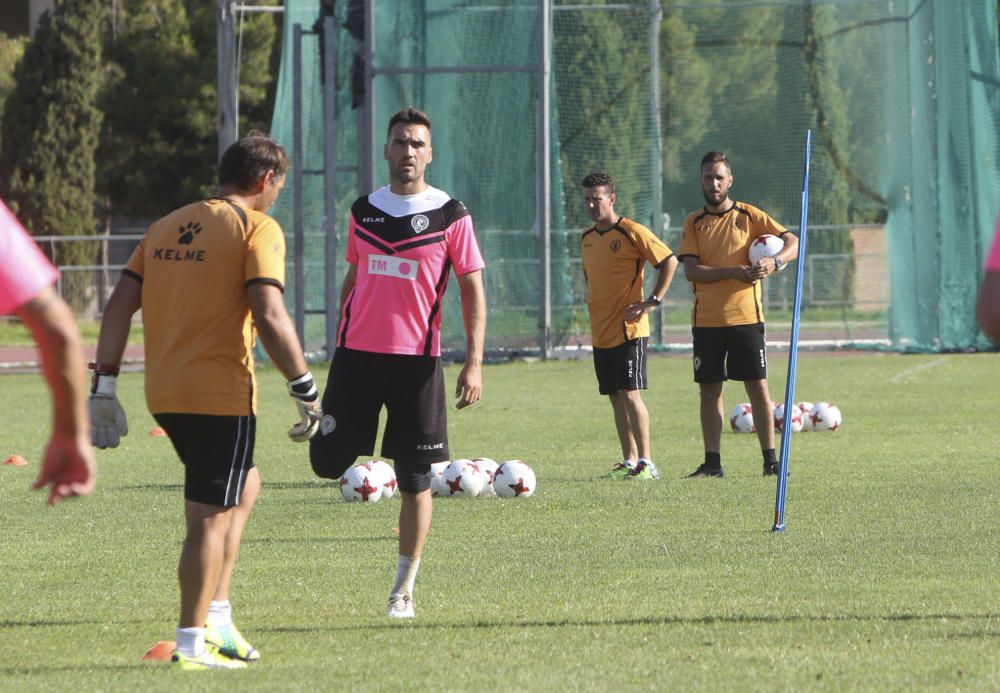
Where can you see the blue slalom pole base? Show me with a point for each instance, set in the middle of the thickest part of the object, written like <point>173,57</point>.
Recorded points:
<point>778,528</point>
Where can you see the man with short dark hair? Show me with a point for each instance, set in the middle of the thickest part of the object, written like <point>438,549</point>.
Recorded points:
<point>615,250</point>
<point>403,242</point>
<point>728,317</point>
<point>207,277</point>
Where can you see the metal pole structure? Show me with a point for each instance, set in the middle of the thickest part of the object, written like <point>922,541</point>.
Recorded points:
<point>228,101</point>
<point>656,15</point>
<point>366,137</point>
<point>544,202</point>
<point>793,353</point>
<point>330,180</point>
<point>297,180</point>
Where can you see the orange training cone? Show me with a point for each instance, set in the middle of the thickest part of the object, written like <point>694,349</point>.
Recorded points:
<point>157,431</point>
<point>16,461</point>
<point>161,651</point>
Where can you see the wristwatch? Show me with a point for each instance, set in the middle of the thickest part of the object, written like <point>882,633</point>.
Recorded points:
<point>653,299</point>
<point>778,263</point>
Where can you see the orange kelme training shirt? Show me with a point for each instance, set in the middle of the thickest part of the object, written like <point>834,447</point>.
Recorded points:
<point>613,262</point>
<point>195,265</point>
<point>723,240</point>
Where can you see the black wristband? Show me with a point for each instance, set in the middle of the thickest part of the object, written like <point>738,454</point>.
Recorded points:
<point>653,299</point>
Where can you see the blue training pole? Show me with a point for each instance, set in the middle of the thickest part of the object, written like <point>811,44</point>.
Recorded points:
<point>793,352</point>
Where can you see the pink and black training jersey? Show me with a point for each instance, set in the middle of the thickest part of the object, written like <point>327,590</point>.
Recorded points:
<point>404,247</point>
<point>24,270</point>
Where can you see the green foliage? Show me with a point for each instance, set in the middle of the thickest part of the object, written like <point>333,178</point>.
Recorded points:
<point>11,50</point>
<point>161,145</point>
<point>885,578</point>
<point>51,124</point>
<point>599,74</point>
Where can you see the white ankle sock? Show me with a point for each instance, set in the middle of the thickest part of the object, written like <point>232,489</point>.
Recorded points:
<point>406,574</point>
<point>220,613</point>
<point>191,641</point>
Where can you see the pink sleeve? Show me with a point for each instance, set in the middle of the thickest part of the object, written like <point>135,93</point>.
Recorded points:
<point>463,250</point>
<point>24,270</point>
<point>993,259</point>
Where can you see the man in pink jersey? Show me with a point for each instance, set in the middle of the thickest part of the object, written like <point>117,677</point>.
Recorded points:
<point>26,278</point>
<point>988,307</point>
<point>404,240</point>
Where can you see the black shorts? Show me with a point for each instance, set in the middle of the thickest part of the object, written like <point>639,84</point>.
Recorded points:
<point>411,388</point>
<point>217,452</point>
<point>729,353</point>
<point>622,367</point>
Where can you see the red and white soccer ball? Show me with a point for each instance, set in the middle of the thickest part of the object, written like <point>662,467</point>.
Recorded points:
<point>806,408</point>
<point>779,418</point>
<point>826,417</point>
<point>438,486</point>
<point>361,483</point>
<point>514,479</point>
<point>741,419</point>
<point>386,476</point>
<point>464,478</point>
<point>489,469</point>
<point>764,246</point>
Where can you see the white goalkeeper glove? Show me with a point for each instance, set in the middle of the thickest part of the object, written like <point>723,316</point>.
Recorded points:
<point>107,418</point>
<point>303,391</point>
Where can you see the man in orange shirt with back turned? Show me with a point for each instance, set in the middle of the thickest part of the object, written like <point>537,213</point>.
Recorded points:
<point>206,276</point>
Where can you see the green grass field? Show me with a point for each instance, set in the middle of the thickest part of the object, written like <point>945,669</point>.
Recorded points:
<point>886,578</point>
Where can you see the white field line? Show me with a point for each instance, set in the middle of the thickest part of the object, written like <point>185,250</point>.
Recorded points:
<point>905,375</point>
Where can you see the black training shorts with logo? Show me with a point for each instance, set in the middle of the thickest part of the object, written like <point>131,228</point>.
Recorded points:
<point>621,367</point>
<point>736,352</point>
<point>217,452</point>
<point>411,388</point>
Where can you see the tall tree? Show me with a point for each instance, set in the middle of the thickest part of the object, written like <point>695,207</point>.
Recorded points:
<point>11,50</point>
<point>51,124</point>
<point>160,147</point>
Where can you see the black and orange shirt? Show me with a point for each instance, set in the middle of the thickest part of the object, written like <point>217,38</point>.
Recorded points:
<point>723,240</point>
<point>613,263</point>
<point>195,265</point>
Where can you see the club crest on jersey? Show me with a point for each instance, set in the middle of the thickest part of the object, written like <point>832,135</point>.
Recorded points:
<point>419,223</point>
<point>388,266</point>
<point>616,245</point>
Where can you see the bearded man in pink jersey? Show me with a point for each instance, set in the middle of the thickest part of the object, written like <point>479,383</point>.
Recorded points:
<point>26,278</point>
<point>404,240</point>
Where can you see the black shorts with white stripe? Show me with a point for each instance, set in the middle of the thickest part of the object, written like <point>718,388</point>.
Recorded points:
<point>217,452</point>
<point>621,367</point>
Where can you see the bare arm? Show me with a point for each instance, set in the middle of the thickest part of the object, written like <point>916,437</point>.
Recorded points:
<point>276,330</point>
<point>664,275</point>
<point>988,305</point>
<point>789,252</point>
<point>703,274</point>
<point>68,462</point>
<point>470,380</point>
<point>116,324</point>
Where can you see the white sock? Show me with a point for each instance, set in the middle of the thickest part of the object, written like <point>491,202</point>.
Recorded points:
<point>191,641</point>
<point>406,574</point>
<point>628,463</point>
<point>643,459</point>
<point>220,613</point>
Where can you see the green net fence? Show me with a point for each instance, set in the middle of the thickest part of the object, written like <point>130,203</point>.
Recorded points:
<point>901,95</point>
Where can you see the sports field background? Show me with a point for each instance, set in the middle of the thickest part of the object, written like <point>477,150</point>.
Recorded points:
<point>884,580</point>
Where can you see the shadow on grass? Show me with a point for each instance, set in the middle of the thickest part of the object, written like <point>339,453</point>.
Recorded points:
<point>656,621</point>
<point>248,541</point>
<point>48,623</point>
